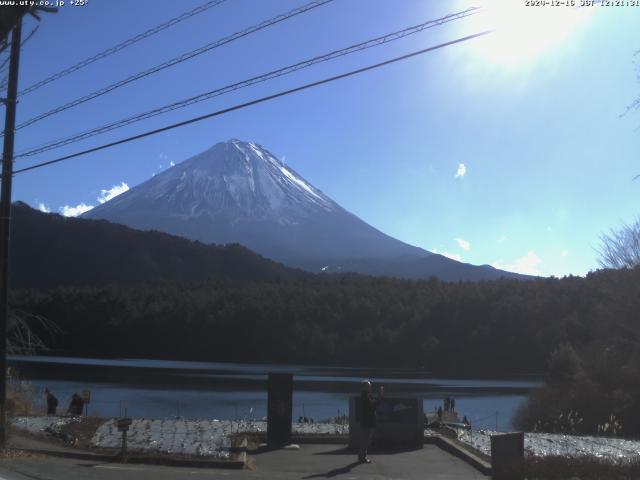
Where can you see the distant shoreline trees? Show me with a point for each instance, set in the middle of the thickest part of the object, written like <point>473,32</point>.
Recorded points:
<point>468,328</point>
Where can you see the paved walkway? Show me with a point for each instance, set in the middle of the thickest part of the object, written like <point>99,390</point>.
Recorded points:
<point>309,462</point>
<point>329,461</point>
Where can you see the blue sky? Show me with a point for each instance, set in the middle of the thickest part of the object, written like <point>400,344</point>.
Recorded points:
<point>510,150</point>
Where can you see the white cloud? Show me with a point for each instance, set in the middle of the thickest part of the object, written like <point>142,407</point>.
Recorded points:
<point>452,256</point>
<point>527,265</point>
<point>462,171</point>
<point>464,244</point>
<point>43,208</point>
<point>564,253</point>
<point>69,211</point>
<point>106,195</point>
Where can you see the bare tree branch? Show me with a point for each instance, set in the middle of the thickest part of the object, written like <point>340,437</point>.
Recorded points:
<point>21,336</point>
<point>621,248</point>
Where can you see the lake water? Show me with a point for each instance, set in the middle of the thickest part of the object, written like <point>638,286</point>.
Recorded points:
<point>160,389</point>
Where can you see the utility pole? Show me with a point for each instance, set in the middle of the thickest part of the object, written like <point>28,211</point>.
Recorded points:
<point>5,218</point>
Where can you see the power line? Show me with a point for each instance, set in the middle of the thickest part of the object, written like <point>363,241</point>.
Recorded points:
<point>122,45</point>
<point>252,102</point>
<point>251,81</point>
<point>176,60</point>
<point>3,83</point>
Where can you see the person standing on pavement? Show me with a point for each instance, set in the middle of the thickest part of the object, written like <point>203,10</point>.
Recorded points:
<point>76,405</point>
<point>52,402</point>
<point>368,404</point>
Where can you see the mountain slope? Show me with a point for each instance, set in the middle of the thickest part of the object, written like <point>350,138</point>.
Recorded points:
<point>48,250</point>
<point>238,192</point>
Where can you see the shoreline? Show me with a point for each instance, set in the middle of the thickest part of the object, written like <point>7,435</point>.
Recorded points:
<point>220,366</point>
<point>212,438</point>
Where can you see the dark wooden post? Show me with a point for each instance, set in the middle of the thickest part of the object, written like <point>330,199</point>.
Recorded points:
<point>279,408</point>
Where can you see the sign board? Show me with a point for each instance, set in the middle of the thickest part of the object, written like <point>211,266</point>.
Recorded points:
<point>279,408</point>
<point>123,424</point>
<point>507,455</point>
<point>400,423</point>
<point>86,396</point>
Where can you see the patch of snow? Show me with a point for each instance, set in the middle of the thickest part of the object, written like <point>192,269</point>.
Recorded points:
<point>39,425</point>
<point>259,152</point>
<point>294,180</point>
<point>321,428</point>
<point>299,182</point>
<point>207,438</point>
<point>210,438</point>
<point>543,444</point>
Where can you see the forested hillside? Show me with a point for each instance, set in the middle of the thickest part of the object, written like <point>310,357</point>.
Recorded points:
<point>49,250</point>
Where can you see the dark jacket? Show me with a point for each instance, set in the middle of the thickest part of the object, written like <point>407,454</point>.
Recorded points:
<point>368,406</point>
<point>52,403</point>
<point>76,405</point>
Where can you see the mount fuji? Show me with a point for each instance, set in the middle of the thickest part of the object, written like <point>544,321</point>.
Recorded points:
<point>238,192</point>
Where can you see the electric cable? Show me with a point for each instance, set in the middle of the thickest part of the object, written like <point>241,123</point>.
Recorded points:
<point>246,83</point>
<point>253,102</point>
<point>121,46</point>
<point>174,61</point>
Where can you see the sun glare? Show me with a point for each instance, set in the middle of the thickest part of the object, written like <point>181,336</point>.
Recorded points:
<point>522,33</point>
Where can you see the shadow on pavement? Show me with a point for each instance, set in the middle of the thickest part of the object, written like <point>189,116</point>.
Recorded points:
<point>335,472</point>
<point>338,451</point>
<point>372,450</point>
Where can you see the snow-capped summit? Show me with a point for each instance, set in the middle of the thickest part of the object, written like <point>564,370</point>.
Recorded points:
<point>238,179</point>
<point>238,192</point>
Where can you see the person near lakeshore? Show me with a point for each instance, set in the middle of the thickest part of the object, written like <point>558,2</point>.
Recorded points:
<point>52,402</point>
<point>368,404</point>
<point>453,404</point>
<point>76,405</point>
